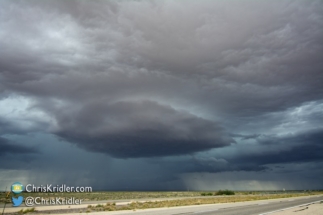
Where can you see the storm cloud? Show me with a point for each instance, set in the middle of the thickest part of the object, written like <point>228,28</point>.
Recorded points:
<point>7,147</point>
<point>213,86</point>
<point>140,129</point>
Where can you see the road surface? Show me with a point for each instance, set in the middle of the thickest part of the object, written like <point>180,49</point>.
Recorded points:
<point>238,208</point>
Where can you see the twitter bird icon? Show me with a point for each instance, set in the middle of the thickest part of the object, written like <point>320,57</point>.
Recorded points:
<point>17,201</point>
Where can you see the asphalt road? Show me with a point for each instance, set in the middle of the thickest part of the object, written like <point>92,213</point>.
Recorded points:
<point>238,208</point>
<point>260,208</point>
<point>244,208</point>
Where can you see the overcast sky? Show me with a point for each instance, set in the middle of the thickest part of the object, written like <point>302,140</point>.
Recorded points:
<point>162,95</point>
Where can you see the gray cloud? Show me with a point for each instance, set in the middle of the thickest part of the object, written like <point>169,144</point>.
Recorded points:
<point>253,69</point>
<point>299,147</point>
<point>140,129</point>
<point>148,79</point>
<point>7,147</point>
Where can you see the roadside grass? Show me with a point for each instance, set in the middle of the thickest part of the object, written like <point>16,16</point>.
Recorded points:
<point>195,198</point>
<point>29,210</point>
<point>185,202</point>
<point>100,196</point>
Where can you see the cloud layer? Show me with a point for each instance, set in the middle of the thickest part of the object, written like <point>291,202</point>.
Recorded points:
<point>216,86</point>
<point>140,129</point>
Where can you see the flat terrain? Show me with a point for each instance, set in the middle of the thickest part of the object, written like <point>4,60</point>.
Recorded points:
<point>244,208</point>
<point>102,196</point>
<point>91,206</point>
<point>261,207</point>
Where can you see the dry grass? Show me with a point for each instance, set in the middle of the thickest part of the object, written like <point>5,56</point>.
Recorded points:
<point>98,196</point>
<point>29,210</point>
<point>193,201</point>
<point>196,198</point>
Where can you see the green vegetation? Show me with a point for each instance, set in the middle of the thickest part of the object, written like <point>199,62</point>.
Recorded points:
<point>206,194</point>
<point>224,192</point>
<point>30,210</point>
<point>219,193</point>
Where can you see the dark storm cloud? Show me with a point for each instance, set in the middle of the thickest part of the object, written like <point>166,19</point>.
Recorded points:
<point>303,153</point>
<point>301,138</point>
<point>210,164</point>
<point>7,147</point>
<point>305,146</point>
<point>262,152</point>
<point>246,137</point>
<point>140,129</point>
<point>7,127</point>
<point>134,79</point>
<point>230,60</point>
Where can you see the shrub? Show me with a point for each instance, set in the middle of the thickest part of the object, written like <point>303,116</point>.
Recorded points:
<point>206,194</point>
<point>225,192</point>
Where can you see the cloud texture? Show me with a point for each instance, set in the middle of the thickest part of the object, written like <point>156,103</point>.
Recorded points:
<point>219,86</point>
